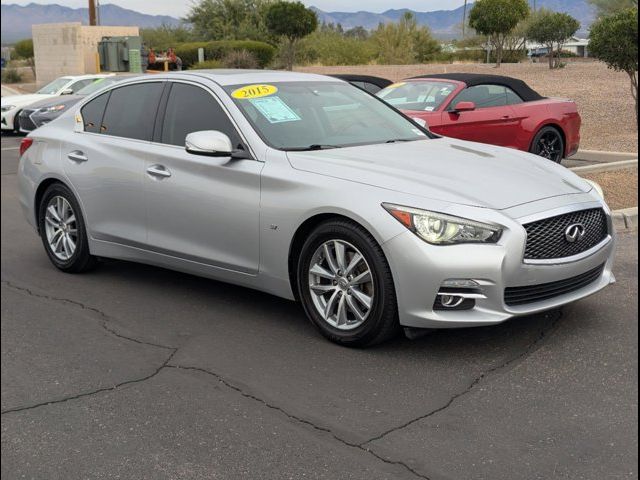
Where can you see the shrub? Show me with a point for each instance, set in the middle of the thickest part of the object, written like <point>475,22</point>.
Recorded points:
<point>240,59</point>
<point>333,48</point>
<point>207,65</point>
<point>24,49</point>
<point>11,75</point>
<point>188,52</point>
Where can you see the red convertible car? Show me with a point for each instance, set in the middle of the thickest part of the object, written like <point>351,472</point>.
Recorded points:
<point>490,109</point>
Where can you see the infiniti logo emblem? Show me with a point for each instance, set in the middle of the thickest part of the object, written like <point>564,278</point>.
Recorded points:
<point>574,233</point>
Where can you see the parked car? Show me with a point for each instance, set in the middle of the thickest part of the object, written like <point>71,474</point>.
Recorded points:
<point>367,83</point>
<point>43,111</point>
<point>308,188</point>
<point>490,109</point>
<point>11,105</point>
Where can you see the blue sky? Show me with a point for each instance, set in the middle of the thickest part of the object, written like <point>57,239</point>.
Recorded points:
<point>178,8</point>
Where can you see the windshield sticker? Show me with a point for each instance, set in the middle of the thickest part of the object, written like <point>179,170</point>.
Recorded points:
<point>254,91</point>
<point>445,91</point>
<point>275,110</point>
<point>430,109</point>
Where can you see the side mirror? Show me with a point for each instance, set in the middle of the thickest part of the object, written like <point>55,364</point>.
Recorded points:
<point>209,143</point>
<point>465,107</point>
<point>67,91</point>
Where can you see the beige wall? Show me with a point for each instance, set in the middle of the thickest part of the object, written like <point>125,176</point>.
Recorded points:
<point>69,48</point>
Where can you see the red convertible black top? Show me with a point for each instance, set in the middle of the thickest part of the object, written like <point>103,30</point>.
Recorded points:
<point>523,90</point>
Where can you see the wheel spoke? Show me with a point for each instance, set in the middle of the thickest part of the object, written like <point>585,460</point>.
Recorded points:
<point>330,305</point>
<point>342,312</point>
<point>353,308</point>
<point>52,211</point>
<point>329,258</point>
<point>364,277</point>
<point>71,219</point>
<point>321,272</point>
<point>355,260</point>
<point>322,288</point>
<point>51,221</point>
<point>341,260</point>
<point>71,244</point>
<point>363,298</point>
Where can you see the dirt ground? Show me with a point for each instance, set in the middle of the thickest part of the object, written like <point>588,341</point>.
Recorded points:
<point>603,96</point>
<point>620,187</point>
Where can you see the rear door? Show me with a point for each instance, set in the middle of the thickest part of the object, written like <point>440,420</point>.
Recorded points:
<point>493,121</point>
<point>105,162</point>
<point>201,209</point>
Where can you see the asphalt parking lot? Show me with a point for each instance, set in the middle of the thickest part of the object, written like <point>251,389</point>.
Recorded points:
<point>136,372</point>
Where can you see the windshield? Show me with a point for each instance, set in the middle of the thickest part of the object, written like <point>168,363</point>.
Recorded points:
<point>423,95</point>
<point>99,84</point>
<point>317,115</point>
<point>53,87</point>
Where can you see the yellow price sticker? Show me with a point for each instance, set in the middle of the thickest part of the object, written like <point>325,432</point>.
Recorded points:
<point>397,85</point>
<point>254,91</point>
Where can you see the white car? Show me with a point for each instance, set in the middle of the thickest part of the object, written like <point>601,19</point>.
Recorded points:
<point>67,85</point>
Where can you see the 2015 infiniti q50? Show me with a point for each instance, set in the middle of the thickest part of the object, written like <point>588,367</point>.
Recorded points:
<point>311,189</point>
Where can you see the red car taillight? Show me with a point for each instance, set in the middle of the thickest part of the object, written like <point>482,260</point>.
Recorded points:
<point>25,144</point>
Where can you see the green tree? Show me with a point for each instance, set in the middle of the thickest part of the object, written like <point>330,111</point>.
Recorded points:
<point>552,29</point>
<point>404,42</point>
<point>229,19</point>
<point>24,50</point>
<point>608,7</point>
<point>614,40</point>
<point>497,19</point>
<point>291,21</point>
<point>165,36</point>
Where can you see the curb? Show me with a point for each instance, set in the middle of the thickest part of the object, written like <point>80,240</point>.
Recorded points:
<point>625,219</point>
<point>606,167</point>
<point>602,156</point>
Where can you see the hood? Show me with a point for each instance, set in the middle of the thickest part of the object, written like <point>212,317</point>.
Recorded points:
<point>24,100</point>
<point>448,170</point>
<point>66,100</point>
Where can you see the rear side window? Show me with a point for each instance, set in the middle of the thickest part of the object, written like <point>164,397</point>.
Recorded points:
<point>92,113</point>
<point>131,111</point>
<point>192,109</point>
<point>79,85</point>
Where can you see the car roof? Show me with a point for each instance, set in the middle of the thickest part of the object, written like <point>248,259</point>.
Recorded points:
<point>523,90</point>
<point>246,77</point>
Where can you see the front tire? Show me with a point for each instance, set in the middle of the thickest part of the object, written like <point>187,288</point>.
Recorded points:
<point>63,231</point>
<point>345,285</point>
<point>549,143</point>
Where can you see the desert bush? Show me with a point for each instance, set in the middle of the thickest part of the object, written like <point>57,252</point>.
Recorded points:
<point>207,65</point>
<point>334,48</point>
<point>218,50</point>
<point>11,75</point>
<point>240,59</point>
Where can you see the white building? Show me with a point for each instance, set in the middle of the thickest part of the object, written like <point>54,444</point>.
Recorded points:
<point>575,45</point>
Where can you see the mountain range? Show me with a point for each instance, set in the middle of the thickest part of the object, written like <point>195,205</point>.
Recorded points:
<point>17,19</point>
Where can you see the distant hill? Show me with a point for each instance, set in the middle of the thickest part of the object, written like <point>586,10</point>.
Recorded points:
<point>17,20</point>
<point>446,23</point>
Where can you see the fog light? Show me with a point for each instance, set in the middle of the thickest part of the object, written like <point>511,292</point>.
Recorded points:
<point>451,301</point>
<point>460,283</point>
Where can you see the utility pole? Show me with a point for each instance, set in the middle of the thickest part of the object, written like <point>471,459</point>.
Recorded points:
<point>92,12</point>
<point>464,20</point>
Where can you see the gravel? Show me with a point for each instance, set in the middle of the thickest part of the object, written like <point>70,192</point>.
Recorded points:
<point>603,96</point>
<point>620,187</point>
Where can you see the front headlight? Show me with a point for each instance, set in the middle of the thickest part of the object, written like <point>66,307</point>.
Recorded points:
<point>596,187</point>
<point>441,229</point>
<point>55,108</point>
<point>6,108</point>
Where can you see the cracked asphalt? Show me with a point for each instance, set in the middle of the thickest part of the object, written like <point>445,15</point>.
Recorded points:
<point>135,372</point>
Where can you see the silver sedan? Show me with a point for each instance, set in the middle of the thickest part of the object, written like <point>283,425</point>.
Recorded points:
<point>308,188</point>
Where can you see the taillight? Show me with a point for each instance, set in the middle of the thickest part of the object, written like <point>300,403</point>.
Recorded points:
<point>25,144</point>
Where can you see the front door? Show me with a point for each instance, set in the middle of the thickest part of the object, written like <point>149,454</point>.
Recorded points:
<point>201,209</point>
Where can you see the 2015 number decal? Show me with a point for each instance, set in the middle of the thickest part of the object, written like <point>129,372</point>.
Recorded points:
<point>254,91</point>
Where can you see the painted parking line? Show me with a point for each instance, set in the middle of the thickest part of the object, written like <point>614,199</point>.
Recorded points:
<point>11,148</point>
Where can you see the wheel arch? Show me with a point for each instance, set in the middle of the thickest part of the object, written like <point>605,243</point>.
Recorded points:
<point>42,187</point>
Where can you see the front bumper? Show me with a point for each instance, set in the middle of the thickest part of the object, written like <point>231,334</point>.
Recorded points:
<point>420,269</point>
<point>7,118</point>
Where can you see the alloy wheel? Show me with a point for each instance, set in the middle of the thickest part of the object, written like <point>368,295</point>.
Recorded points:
<point>341,284</point>
<point>61,228</point>
<point>550,146</point>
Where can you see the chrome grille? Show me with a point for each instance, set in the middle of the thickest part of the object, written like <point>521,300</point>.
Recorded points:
<point>546,238</point>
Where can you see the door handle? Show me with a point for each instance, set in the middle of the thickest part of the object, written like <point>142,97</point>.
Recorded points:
<point>77,156</point>
<point>158,171</point>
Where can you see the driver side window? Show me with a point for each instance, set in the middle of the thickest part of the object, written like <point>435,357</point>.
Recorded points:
<point>486,96</point>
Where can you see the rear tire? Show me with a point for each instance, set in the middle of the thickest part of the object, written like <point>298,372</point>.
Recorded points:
<point>549,143</point>
<point>341,302</point>
<point>63,232</point>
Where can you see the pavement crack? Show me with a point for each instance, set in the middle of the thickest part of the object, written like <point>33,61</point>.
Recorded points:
<point>358,446</point>
<point>93,392</point>
<point>545,331</point>
<point>106,319</point>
